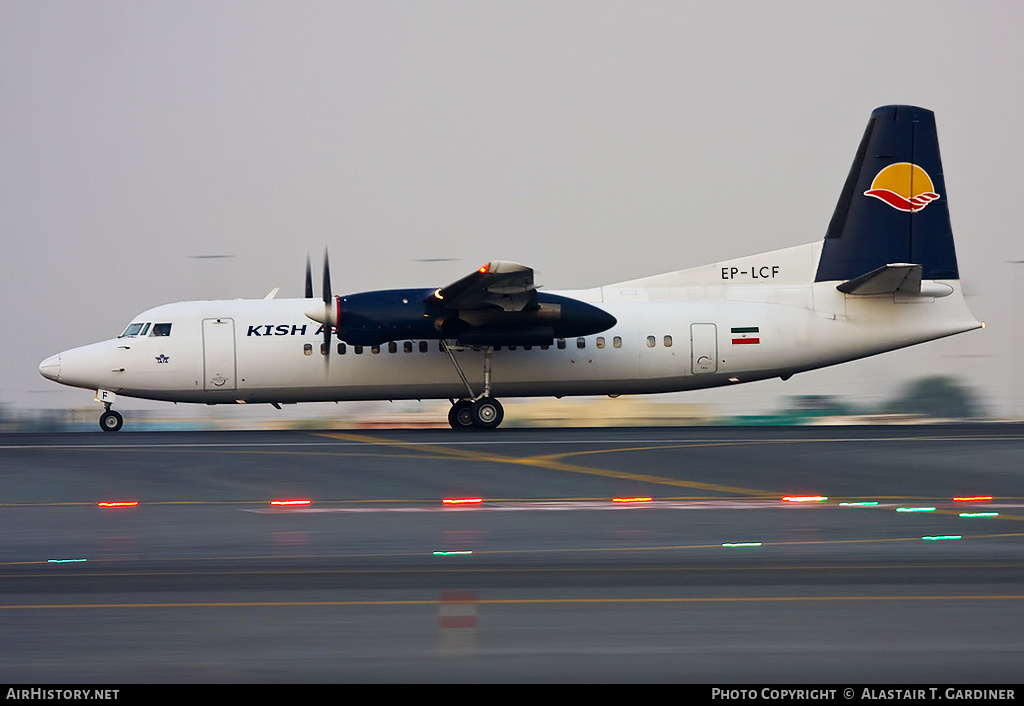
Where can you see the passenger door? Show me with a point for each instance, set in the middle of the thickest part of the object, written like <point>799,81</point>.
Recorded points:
<point>219,354</point>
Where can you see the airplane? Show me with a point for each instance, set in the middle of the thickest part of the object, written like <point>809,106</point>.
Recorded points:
<point>884,277</point>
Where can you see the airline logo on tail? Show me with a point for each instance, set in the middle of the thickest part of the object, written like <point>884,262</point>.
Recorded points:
<point>904,186</point>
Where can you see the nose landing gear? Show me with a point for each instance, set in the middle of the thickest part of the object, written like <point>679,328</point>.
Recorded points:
<point>111,420</point>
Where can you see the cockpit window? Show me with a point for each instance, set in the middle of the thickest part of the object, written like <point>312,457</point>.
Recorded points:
<point>161,330</point>
<point>132,330</point>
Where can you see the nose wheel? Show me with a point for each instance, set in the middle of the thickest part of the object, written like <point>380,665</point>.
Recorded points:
<point>484,413</point>
<point>111,421</point>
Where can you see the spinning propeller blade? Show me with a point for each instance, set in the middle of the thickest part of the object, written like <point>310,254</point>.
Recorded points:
<point>327,304</point>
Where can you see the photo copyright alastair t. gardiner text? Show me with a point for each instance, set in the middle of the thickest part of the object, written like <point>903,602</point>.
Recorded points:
<point>865,693</point>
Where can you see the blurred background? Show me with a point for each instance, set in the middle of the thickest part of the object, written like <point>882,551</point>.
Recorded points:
<point>921,401</point>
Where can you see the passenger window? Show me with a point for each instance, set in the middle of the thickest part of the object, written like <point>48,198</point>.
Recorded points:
<point>407,346</point>
<point>617,342</point>
<point>423,346</point>
<point>561,343</point>
<point>650,341</point>
<point>358,350</point>
<point>600,341</point>
<point>392,347</point>
<point>307,349</point>
<point>161,330</point>
<point>341,348</point>
<point>668,341</point>
<point>581,342</point>
<point>375,349</point>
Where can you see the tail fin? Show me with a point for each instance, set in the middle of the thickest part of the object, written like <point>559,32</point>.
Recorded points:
<point>893,206</point>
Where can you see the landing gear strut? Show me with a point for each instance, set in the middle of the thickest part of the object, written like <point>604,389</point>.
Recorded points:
<point>476,411</point>
<point>111,420</point>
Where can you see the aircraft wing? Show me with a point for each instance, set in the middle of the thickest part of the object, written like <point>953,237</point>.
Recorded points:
<point>506,285</point>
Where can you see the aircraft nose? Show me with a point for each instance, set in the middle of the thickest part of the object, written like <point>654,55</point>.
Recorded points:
<point>50,368</point>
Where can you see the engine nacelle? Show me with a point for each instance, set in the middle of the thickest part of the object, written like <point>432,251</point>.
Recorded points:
<point>372,318</point>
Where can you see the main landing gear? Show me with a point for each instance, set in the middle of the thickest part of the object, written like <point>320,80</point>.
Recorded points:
<point>476,411</point>
<point>483,413</point>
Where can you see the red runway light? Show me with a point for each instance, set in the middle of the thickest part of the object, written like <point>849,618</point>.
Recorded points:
<point>971,498</point>
<point>462,501</point>
<point>803,498</point>
<point>631,500</point>
<point>290,502</point>
<point>118,503</point>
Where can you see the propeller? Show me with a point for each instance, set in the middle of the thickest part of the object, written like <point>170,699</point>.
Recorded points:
<point>327,306</point>
<point>325,315</point>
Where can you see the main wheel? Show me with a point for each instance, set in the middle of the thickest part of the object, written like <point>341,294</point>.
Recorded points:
<point>460,416</point>
<point>487,413</point>
<point>111,421</point>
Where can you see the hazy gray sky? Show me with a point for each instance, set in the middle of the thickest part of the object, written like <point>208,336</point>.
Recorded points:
<point>595,141</point>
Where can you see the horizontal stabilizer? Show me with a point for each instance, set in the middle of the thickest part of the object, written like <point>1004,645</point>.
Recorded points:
<point>885,280</point>
<point>899,278</point>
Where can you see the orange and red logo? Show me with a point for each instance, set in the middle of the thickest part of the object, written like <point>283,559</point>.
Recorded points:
<point>904,186</point>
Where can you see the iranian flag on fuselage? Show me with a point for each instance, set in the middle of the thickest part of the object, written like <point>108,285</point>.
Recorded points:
<point>742,335</point>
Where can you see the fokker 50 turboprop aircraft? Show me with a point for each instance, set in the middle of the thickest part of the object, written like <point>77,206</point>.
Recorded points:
<point>884,277</point>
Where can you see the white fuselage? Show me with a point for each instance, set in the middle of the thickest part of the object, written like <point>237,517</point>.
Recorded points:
<point>679,331</point>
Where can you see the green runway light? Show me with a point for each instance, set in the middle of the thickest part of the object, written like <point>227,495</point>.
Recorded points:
<point>945,536</point>
<point>63,561</point>
<point>450,553</point>
<point>864,504</point>
<point>743,544</point>
<point>979,514</point>
<point>915,509</point>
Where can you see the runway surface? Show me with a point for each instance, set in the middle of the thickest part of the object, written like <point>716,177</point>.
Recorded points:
<point>575,555</point>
